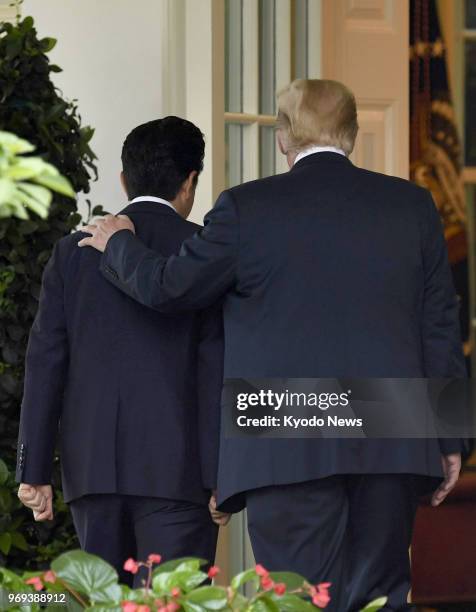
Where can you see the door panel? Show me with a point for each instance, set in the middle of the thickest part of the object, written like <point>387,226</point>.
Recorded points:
<point>365,45</point>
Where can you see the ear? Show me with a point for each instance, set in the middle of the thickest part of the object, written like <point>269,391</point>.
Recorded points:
<point>280,139</point>
<point>190,183</point>
<point>122,178</point>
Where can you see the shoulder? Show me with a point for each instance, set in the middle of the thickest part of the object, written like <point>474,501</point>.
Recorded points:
<point>66,250</point>
<point>191,226</point>
<point>267,185</point>
<point>393,184</point>
<point>68,244</point>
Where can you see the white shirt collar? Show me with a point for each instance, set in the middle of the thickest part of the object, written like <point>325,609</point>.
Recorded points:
<point>316,149</point>
<point>147,198</point>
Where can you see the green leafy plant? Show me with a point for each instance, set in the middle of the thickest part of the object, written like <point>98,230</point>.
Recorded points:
<point>88,583</point>
<point>33,109</point>
<point>26,182</point>
<point>11,535</point>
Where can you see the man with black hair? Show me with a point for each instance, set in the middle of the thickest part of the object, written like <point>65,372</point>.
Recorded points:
<point>139,456</point>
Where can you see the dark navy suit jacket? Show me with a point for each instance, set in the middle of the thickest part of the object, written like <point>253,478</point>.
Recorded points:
<point>328,270</point>
<point>136,393</point>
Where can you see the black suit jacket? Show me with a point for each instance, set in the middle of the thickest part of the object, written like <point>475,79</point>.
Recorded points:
<point>330,271</point>
<point>136,393</point>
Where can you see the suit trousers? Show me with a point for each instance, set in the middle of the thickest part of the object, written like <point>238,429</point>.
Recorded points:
<point>116,527</point>
<point>351,530</point>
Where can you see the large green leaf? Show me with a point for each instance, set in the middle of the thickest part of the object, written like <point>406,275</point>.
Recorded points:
<point>185,580</point>
<point>13,144</point>
<point>375,605</point>
<point>244,577</point>
<point>5,603</point>
<point>263,604</point>
<point>189,606</point>
<point>19,541</point>
<point>88,574</point>
<point>7,190</point>
<point>57,183</point>
<point>24,168</point>
<point>184,563</point>
<point>5,542</point>
<point>290,579</point>
<point>292,603</point>
<point>39,194</point>
<point>13,581</point>
<point>210,597</point>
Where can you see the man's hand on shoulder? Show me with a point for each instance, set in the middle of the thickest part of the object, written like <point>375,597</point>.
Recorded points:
<point>102,229</point>
<point>39,498</point>
<point>451,469</point>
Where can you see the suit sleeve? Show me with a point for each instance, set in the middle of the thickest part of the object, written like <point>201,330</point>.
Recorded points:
<point>194,279</point>
<point>441,335</point>
<point>45,372</point>
<point>209,389</point>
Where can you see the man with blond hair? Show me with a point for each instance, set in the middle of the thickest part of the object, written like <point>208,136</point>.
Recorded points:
<point>326,271</point>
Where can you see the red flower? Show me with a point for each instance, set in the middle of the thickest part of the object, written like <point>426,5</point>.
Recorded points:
<point>320,594</point>
<point>129,606</point>
<point>261,571</point>
<point>175,592</point>
<point>131,566</point>
<point>213,571</point>
<point>266,583</point>
<point>49,576</point>
<point>154,559</point>
<point>143,609</point>
<point>35,582</point>
<point>280,588</point>
<point>172,607</point>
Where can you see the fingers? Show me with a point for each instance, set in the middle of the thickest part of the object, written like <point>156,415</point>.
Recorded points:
<point>46,514</point>
<point>86,242</point>
<point>89,229</point>
<point>126,223</point>
<point>39,499</point>
<point>445,488</point>
<point>451,469</point>
<point>212,504</point>
<point>440,495</point>
<point>221,518</point>
<point>32,498</point>
<point>26,493</point>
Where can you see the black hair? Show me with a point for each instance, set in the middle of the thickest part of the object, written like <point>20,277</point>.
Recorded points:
<point>159,155</point>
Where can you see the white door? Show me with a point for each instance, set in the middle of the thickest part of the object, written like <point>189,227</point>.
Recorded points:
<point>365,45</point>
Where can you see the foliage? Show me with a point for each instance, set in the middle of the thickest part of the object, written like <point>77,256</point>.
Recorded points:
<point>26,182</point>
<point>180,585</point>
<point>33,109</point>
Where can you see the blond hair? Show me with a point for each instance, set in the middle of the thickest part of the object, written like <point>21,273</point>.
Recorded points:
<point>317,112</point>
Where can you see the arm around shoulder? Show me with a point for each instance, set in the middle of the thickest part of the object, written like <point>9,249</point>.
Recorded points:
<point>201,273</point>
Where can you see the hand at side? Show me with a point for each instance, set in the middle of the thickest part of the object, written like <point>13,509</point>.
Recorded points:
<point>219,518</point>
<point>451,469</point>
<point>39,498</point>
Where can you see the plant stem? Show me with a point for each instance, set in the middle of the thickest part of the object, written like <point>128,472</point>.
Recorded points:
<point>74,593</point>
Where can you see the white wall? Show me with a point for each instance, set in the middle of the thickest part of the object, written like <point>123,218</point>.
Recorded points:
<point>111,55</point>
